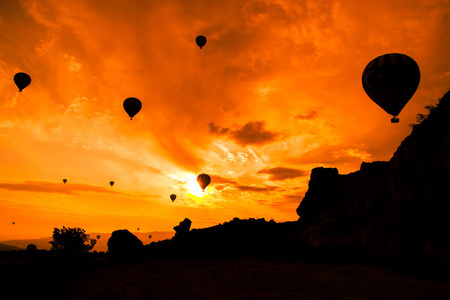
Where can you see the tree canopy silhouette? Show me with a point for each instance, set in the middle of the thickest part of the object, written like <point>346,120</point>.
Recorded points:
<point>74,240</point>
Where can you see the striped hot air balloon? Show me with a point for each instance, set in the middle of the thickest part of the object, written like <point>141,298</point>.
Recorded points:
<point>390,80</point>
<point>203,180</point>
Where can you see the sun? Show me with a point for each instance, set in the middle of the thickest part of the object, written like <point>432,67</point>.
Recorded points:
<point>193,187</point>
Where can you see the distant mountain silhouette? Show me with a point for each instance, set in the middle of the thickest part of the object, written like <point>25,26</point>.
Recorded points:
<point>4,247</point>
<point>399,208</point>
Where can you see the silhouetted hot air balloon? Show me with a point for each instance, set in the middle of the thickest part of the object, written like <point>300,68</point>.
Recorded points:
<point>13,223</point>
<point>138,229</point>
<point>111,183</point>
<point>150,236</point>
<point>64,180</point>
<point>173,197</point>
<point>98,237</point>
<point>201,41</point>
<point>93,242</point>
<point>22,80</point>
<point>203,180</point>
<point>132,106</point>
<point>390,80</point>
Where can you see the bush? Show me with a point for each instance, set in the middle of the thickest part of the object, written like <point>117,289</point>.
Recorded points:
<point>73,240</point>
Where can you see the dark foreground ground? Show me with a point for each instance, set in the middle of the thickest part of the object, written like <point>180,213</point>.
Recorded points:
<point>225,278</point>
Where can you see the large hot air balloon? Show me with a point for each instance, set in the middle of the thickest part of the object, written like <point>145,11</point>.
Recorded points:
<point>98,237</point>
<point>390,80</point>
<point>201,41</point>
<point>173,197</point>
<point>64,180</point>
<point>132,106</point>
<point>203,180</point>
<point>111,183</point>
<point>22,80</point>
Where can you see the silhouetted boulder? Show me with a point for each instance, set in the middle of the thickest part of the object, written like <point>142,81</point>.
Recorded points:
<point>31,247</point>
<point>395,208</point>
<point>183,228</point>
<point>123,246</point>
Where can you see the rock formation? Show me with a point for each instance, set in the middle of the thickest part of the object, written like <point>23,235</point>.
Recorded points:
<point>395,208</point>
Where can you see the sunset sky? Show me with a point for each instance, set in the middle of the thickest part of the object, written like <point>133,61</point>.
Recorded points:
<point>275,92</point>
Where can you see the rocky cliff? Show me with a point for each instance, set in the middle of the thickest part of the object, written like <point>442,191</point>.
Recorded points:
<point>395,208</point>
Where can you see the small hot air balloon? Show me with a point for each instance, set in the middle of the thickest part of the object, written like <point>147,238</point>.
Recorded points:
<point>390,80</point>
<point>111,183</point>
<point>150,236</point>
<point>64,180</point>
<point>98,237</point>
<point>22,80</point>
<point>173,197</point>
<point>13,223</point>
<point>138,229</point>
<point>201,41</point>
<point>203,180</point>
<point>132,106</point>
<point>93,242</point>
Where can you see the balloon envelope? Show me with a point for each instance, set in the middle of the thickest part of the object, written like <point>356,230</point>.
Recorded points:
<point>132,106</point>
<point>22,80</point>
<point>64,180</point>
<point>149,236</point>
<point>201,41</point>
<point>203,180</point>
<point>173,197</point>
<point>13,223</point>
<point>93,242</point>
<point>98,237</point>
<point>111,183</point>
<point>390,80</point>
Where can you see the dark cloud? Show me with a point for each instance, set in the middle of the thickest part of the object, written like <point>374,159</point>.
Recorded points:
<point>252,188</point>
<point>281,173</point>
<point>222,180</point>
<point>252,133</point>
<point>213,128</point>
<point>52,187</point>
<point>309,116</point>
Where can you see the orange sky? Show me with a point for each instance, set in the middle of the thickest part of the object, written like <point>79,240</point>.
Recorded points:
<point>275,92</point>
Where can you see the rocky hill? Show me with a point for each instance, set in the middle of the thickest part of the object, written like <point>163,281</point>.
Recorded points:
<point>395,208</point>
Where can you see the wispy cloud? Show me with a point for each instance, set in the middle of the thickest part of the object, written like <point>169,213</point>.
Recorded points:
<point>52,187</point>
<point>282,173</point>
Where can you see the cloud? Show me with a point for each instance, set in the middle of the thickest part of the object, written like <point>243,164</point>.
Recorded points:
<point>282,173</point>
<point>253,188</point>
<point>51,187</point>
<point>308,116</point>
<point>222,180</point>
<point>252,133</point>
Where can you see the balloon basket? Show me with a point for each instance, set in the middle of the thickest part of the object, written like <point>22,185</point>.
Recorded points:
<point>395,120</point>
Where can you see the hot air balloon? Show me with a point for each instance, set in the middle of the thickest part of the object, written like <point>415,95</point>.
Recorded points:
<point>93,242</point>
<point>98,237</point>
<point>390,80</point>
<point>132,106</point>
<point>64,180</point>
<point>203,180</point>
<point>173,197</point>
<point>138,229</point>
<point>150,236</point>
<point>13,223</point>
<point>22,80</point>
<point>201,41</point>
<point>111,183</point>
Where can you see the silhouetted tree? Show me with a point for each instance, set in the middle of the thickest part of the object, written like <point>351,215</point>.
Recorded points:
<point>73,240</point>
